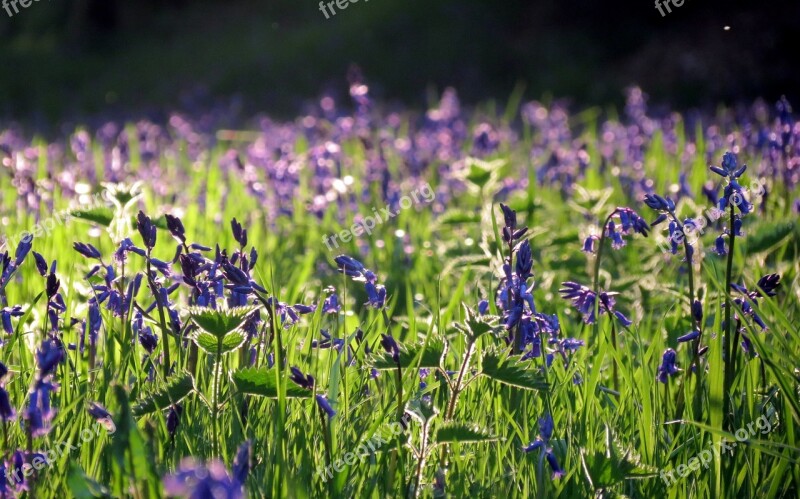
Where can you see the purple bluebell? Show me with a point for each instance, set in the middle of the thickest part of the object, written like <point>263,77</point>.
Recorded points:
<point>6,314</point>
<point>242,462</point>
<point>195,480</point>
<point>87,250</point>
<point>390,345</point>
<point>49,355</point>
<point>39,413</point>
<point>693,335</point>
<point>173,419</point>
<point>303,380</point>
<point>147,230</point>
<point>667,367</point>
<point>175,227</point>
<point>41,264</point>
<point>239,233</point>
<point>323,404</point>
<point>331,304</point>
<point>7,412</point>
<point>583,299</point>
<point>542,444</point>
<point>589,244</point>
<point>483,307</point>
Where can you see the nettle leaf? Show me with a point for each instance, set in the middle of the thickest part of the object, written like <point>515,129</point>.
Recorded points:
<point>424,356</point>
<point>475,325</point>
<point>207,341</point>
<point>461,433</point>
<point>177,389</point>
<point>100,215</point>
<point>261,381</point>
<point>511,371</point>
<point>233,340</point>
<point>421,410</point>
<point>219,322</point>
<point>617,464</point>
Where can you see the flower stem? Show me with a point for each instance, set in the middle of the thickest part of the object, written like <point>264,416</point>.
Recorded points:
<point>729,364</point>
<point>215,399</point>
<point>596,290</point>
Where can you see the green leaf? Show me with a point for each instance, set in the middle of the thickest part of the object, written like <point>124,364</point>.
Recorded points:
<point>233,340</point>
<point>132,455</point>
<point>177,389</point>
<point>419,355</point>
<point>475,326</point>
<point>219,322</point>
<point>100,215</point>
<point>206,341</point>
<point>261,381</point>
<point>83,487</point>
<point>461,433</point>
<point>511,371</point>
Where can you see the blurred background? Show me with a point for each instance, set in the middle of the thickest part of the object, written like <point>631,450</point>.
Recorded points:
<point>77,58</point>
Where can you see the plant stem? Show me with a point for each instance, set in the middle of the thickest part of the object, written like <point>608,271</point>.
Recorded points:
<point>596,290</point>
<point>728,350</point>
<point>215,398</point>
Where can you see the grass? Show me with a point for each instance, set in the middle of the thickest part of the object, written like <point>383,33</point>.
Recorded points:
<point>437,262</point>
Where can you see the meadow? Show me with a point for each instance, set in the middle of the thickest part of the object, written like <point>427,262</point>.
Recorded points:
<point>589,303</point>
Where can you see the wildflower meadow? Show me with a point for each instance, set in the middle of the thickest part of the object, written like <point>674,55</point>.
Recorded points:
<point>526,299</point>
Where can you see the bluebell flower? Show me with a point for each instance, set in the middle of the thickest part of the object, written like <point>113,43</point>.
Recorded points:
<point>667,367</point>
<point>6,314</point>
<point>327,341</point>
<point>23,248</point>
<point>589,244</point>
<point>331,304</point>
<point>693,335</point>
<point>391,347</point>
<point>87,250</point>
<point>542,444</point>
<point>41,264</point>
<point>173,419</point>
<point>39,412</point>
<point>175,227</point>
<point>196,480</point>
<point>49,355</point>
<point>483,307</point>
<point>243,462</point>
<point>7,412</point>
<point>239,233</point>
<point>302,380</point>
<point>323,404</point>
<point>719,246</point>
<point>147,230</point>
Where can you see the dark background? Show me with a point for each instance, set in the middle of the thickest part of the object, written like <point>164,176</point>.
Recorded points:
<point>77,58</point>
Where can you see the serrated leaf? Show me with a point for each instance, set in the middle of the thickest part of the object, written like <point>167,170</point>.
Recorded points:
<point>100,215</point>
<point>177,389</point>
<point>233,340</point>
<point>421,410</point>
<point>261,382</point>
<point>461,433</point>
<point>424,356</point>
<point>219,322</point>
<point>206,341</point>
<point>511,371</point>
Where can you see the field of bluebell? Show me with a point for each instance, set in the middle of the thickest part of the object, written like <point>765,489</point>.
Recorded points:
<point>516,300</point>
